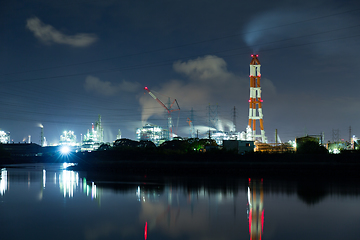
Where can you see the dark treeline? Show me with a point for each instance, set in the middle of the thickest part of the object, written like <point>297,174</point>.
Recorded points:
<point>199,156</point>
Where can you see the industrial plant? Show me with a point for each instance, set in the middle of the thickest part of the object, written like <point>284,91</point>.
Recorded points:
<point>158,135</point>
<point>93,139</point>
<point>253,136</point>
<point>4,137</point>
<point>152,133</point>
<point>68,138</point>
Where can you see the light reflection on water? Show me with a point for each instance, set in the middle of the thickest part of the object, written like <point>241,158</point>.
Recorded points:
<point>202,208</point>
<point>68,181</point>
<point>3,181</point>
<point>256,208</point>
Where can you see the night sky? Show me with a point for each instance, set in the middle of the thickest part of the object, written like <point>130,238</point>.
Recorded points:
<point>62,63</point>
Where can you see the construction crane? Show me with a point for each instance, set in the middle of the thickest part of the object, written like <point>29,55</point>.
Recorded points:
<point>169,108</point>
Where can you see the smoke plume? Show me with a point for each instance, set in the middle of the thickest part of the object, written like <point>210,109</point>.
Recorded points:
<point>286,27</point>
<point>106,88</point>
<point>48,34</point>
<point>207,80</point>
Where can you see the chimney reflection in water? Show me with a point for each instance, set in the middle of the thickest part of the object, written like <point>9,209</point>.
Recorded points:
<point>256,209</point>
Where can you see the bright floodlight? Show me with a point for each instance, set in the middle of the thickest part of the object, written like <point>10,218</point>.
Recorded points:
<point>65,150</point>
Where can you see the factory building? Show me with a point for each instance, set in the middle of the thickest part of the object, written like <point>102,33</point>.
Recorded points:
<point>337,147</point>
<point>152,133</point>
<point>239,146</point>
<point>355,142</point>
<point>274,147</point>
<point>308,138</point>
<point>4,137</point>
<point>93,139</point>
<point>96,134</point>
<point>68,138</point>
<point>221,136</point>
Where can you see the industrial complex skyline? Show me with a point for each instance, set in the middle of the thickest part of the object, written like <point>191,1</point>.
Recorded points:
<point>64,63</point>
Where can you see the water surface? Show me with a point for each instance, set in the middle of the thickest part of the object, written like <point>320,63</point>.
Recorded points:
<point>44,201</point>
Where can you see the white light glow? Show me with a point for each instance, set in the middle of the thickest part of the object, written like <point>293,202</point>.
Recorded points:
<point>65,150</point>
<point>3,181</point>
<point>66,165</point>
<point>93,190</point>
<point>68,181</point>
<point>44,178</point>
<point>138,193</point>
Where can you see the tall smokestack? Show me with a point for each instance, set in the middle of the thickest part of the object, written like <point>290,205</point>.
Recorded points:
<point>255,101</point>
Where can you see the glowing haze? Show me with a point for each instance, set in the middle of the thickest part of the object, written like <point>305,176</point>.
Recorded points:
<point>207,80</point>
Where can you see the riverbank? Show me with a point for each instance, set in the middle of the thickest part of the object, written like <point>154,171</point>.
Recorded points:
<point>221,163</point>
<point>217,162</point>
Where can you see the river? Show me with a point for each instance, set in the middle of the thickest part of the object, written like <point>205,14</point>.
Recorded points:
<point>46,201</point>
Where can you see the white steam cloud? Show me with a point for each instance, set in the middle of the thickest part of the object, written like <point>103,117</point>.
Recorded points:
<point>207,81</point>
<point>208,68</point>
<point>106,88</point>
<point>48,34</point>
<point>280,28</point>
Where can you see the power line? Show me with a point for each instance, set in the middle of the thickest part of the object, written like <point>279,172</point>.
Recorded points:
<point>168,62</point>
<point>188,44</point>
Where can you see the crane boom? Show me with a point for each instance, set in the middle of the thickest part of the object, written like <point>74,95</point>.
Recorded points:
<point>167,108</point>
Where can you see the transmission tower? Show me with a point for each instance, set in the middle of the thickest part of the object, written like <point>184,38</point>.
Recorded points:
<point>234,119</point>
<point>349,134</point>
<point>213,116</point>
<point>335,135</point>
<point>192,130</point>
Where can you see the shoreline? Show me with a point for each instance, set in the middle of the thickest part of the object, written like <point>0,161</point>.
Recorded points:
<point>220,163</point>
